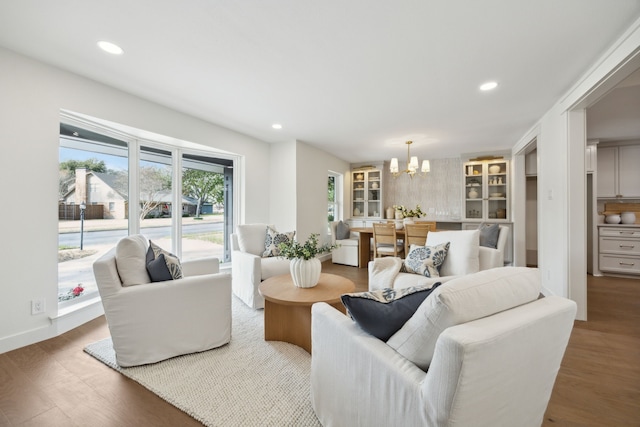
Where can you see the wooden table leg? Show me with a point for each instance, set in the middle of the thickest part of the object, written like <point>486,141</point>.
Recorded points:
<point>364,249</point>
<point>290,323</point>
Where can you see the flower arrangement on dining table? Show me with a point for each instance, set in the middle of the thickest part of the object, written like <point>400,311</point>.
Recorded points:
<point>409,213</point>
<point>307,250</point>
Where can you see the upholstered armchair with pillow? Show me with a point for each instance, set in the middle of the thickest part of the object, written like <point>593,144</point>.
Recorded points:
<point>347,251</point>
<point>468,251</point>
<point>480,350</point>
<point>254,258</point>
<point>158,307</point>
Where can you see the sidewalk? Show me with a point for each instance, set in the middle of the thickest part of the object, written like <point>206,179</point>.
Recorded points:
<point>69,226</point>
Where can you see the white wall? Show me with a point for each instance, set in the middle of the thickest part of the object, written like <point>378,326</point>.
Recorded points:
<point>299,174</point>
<point>313,166</point>
<point>440,190</point>
<point>561,172</point>
<point>282,203</point>
<point>32,96</point>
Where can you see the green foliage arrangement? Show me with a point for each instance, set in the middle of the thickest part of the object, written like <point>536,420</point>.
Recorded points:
<point>307,250</point>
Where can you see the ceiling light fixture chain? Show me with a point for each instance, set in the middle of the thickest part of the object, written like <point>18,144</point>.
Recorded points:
<point>412,165</point>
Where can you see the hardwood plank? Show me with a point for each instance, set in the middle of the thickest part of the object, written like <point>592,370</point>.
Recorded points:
<point>38,365</point>
<point>20,398</point>
<point>52,418</point>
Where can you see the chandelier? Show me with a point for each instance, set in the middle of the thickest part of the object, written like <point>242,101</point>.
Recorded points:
<point>412,165</point>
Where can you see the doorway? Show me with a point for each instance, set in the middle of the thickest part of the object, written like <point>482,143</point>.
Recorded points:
<point>531,206</point>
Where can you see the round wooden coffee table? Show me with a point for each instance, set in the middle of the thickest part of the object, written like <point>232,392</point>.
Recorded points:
<point>287,308</point>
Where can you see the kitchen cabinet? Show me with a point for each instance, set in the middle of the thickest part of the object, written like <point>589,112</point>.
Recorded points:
<point>486,190</point>
<point>619,249</point>
<point>618,172</point>
<point>366,193</point>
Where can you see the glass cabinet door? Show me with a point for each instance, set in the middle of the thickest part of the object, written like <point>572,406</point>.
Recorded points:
<point>374,184</point>
<point>358,194</point>
<point>497,185</point>
<point>473,190</point>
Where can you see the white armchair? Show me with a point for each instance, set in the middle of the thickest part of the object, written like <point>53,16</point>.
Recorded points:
<point>465,256</point>
<point>150,322</point>
<point>248,267</point>
<point>494,362</point>
<point>347,251</point>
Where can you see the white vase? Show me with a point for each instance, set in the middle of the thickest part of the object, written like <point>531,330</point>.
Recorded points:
<point>398,214</point>
<point>390,213</point>
<point>628,217</point>
<point>612,219</point>
<point>305,273</point>
<point>408,221</point>
<point>473,193</point>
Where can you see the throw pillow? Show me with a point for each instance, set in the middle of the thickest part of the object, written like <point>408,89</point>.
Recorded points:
<point>381,313</point>
<point>157,268</point>
<point>489,234</point>
<point>342,231</point>
<point>462,300</point>
<point>463,256</point>
<point>251,238</point>
<point>273,239</point>
<point>172,261</point>
<point>130,260</point>
<point>425,260</point>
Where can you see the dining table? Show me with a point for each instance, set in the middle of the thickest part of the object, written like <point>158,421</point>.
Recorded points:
<point>364,243</point>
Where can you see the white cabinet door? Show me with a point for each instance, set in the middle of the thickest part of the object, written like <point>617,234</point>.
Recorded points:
<point>607,171</point>
<point>629,171</point>
<point>590,158</point>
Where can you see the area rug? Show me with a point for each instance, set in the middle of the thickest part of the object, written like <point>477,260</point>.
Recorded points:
<point>248,382</point>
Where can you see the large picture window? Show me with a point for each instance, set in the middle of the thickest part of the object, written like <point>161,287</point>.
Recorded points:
<point>188,213</point>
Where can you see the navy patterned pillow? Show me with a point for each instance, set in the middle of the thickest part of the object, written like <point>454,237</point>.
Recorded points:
<point>382,313</point>
<point>425,260</point>
<point>273,239</point>
<point>157,268</point>
<point>172,261</point>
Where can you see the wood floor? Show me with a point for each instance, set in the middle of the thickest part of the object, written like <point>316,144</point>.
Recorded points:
<point>54,383</point>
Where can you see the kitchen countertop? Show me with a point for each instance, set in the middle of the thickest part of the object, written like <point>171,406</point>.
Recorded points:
<point>618,225</point>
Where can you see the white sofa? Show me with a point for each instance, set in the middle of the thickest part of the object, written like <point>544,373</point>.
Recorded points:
<point>495,353</point>
<point>248,267</point>
<point>150,322</point>
<point>347,251</point>
<point>465,256</point>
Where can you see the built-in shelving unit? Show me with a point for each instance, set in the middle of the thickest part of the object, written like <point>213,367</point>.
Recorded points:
<point>366,193</point>
<point>486,190</point>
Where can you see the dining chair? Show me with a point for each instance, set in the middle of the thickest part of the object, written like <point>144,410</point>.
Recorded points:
<point>385,240</point>
<point>416,234</point>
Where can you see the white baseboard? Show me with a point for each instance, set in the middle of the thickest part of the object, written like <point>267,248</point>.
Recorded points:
<point>68,318</point>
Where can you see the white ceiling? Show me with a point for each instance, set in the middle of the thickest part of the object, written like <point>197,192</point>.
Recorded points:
<point>355,78</point>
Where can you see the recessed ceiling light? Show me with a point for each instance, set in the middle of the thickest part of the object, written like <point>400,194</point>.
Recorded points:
<point>489,86</point>
<point>111,48</point>
<point>276,126</point>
